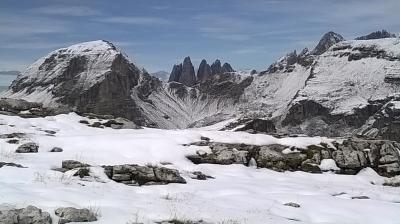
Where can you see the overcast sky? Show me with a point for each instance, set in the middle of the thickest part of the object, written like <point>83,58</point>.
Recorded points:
<point>157,34</point>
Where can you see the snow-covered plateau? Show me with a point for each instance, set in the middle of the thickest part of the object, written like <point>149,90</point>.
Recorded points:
<point>237,194</point>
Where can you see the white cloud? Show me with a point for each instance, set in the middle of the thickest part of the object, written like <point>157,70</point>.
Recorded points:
<point>135,20</point>
<point>66,11</point>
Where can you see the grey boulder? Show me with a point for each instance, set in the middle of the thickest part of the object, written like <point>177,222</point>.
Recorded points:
<point>30,147</point>
<point>28,215</point>
<point>70,214</point>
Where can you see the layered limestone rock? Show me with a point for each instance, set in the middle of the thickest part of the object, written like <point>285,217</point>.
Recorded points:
<point>349,156</point>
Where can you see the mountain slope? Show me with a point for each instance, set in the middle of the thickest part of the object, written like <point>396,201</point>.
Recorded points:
<point>87,77</point>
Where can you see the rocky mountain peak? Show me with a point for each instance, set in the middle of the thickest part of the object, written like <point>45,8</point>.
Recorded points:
<point>327,41</point>
<point>90,77</point>
<point>216,67</point>
<point>204,72</point>
<point>377,35</point>
<point>183,73</point>
<point>227,68</point>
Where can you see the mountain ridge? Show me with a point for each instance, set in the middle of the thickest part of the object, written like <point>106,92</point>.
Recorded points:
<point>300,94</point>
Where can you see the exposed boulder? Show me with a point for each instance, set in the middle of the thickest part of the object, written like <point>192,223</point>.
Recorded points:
<point>377,35</point>
<point>28,215</point>
<point>70,214</point>
<point>135,175</point>
<point>30,147</point>
<point>73,164</point>
<point>82,172</point>
<point>328,40</point>
<point>56,149</point>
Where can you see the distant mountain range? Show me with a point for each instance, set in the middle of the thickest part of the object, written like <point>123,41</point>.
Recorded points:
<point>161,75</point>
<point>340,88</point>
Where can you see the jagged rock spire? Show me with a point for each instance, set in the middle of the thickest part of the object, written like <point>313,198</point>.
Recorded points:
<point>183,73</point>
<point>216,67</point>
<point>204,71</point>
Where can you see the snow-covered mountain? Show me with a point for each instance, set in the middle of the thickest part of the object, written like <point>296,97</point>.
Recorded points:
<point>161,75</point>
<point>335,89</point>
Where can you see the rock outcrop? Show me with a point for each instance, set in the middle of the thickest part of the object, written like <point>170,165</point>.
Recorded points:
<point>28,215</point>
<point>376,35</point>
<point>350,155</point>
<point>135,175</point>
<point>328,40</point>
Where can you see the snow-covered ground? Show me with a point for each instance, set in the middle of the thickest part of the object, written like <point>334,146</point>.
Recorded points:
<point>238,194</point>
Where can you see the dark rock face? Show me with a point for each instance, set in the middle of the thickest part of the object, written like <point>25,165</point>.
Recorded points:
<point>183,73</point>
<point>28,215</point>
<point>70,214</point>
<point>30,147</point>
<point>224,85</point>
<point>216,67</point>
<point>135,175</point>
<point>350,156</point>
<point>204,71</point>
<point>328,40</point>
<point>386,123</point>
<point>377,35</point>
<point>259,125</point>
<point>358,53</point>
<point>227,68</point>
<point>175,73</point>
<point>322,122</point>
<point>188,76</point>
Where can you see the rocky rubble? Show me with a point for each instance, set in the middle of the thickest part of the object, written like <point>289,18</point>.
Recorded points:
<point>350,155</point>
<point>135,175</point>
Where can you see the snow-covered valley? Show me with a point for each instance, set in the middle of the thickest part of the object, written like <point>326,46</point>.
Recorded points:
<point>237,194</point>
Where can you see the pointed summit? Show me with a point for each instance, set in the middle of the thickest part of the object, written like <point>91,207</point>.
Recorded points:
<point>327,41</point>
<point>204,71</point>
<point>183,73</point>
<point>216,67</point>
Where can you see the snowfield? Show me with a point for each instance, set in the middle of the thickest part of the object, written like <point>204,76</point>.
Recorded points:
<point>238,194</point>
